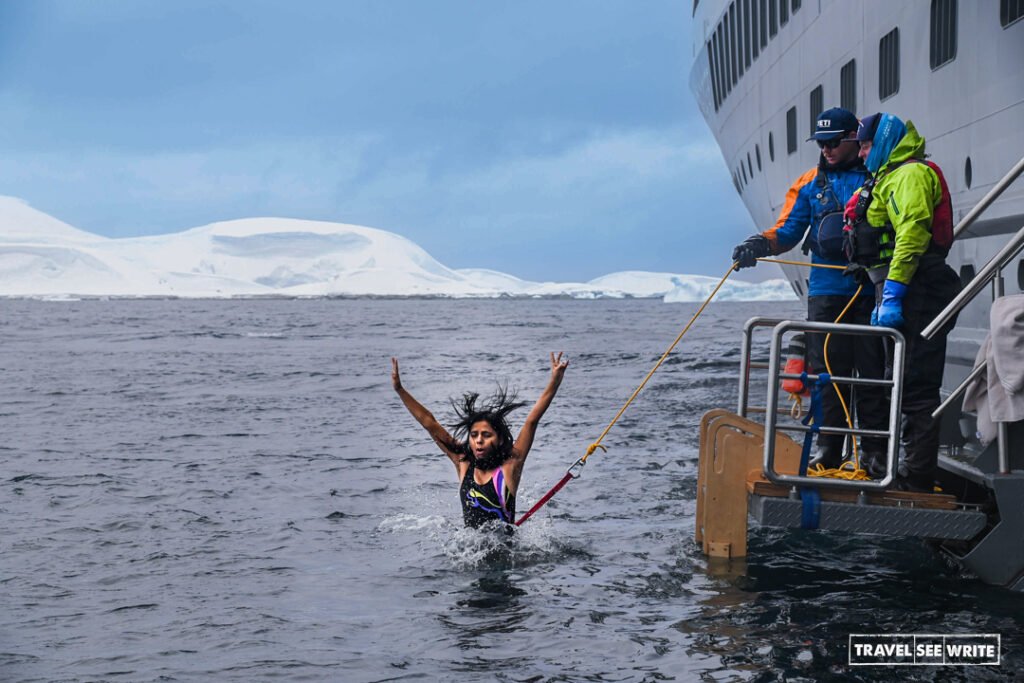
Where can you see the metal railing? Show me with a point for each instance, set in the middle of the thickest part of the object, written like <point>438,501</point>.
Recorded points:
<point>775,375</point>
<point>746,364</point>
<point>962,389</point>
<point>991,272</point>
<point>995,264</point>
<point>987,200</point>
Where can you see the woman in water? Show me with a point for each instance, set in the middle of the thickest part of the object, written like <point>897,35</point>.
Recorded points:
<point>488,462</point>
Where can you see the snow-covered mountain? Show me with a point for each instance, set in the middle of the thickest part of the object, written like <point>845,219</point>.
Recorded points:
<point>41,257</point>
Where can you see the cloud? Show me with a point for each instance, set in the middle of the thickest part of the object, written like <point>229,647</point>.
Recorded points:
<point>603,192</point>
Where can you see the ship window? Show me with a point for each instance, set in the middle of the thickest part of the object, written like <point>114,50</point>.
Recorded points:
<point>798,288</point>
<point>791,130</point>
<point>723,57</point>
<point>755,44</point>
<point>889,64</point>
<point>726,62</point>
<point>723,64</point>
<point>743,172</point>
<point>771,146</point>
<point>968,173</point>
<point>1020,275</point>
<point>711,74</point>
<point>817,106</point>
<point>943,41</point>
<point>735,182</point>
<point>848,86</point>
<point>750,166</point>
<point>796,5</point>
<point>764,23</point>
<point>746,32</point>
<point>716,83</point>
<point>783,12</point>
<point>737,49</point>
<point>773,17</point>
<point>695,3</point>
<point>757,153</point>
<point>1010,11</point>
<point>966,274</point>
<point>713,60</point>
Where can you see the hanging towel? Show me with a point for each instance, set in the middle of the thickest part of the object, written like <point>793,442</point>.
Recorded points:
<point>1001,397</point>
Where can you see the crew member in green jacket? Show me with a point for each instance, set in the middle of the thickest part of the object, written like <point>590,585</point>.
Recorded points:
<point>901,230</point>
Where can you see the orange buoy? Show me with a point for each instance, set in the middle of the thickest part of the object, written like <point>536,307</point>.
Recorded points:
<point>796,363</point>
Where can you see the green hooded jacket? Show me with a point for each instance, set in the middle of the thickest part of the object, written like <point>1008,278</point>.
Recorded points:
<point>905,197</point>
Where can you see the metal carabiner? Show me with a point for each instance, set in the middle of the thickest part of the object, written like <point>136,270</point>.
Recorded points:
<point>576,469</point>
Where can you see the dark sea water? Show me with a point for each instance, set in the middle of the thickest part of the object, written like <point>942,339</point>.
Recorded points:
<point>231,491</point>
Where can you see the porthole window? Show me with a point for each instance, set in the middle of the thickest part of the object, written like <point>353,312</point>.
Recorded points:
<point>968,173</point>
<point>743,171</point>
<point>757,153</point>
<point>966,274</point>
<point>1020,275</point>
<point>750,166</point>
<point>771,146</point>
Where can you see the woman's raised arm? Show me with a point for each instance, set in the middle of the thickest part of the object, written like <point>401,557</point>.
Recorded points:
<point>525,439</point>
<point>426,419</point>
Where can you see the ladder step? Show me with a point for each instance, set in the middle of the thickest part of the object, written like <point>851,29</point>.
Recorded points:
<point>760,486</point>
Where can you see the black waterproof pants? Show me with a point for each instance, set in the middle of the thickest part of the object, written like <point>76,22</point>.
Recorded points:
<point>848,356</point>
<point>931,289</point>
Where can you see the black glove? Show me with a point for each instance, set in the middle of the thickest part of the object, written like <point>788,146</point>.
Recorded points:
<point>859,274</point>
<point>754,247</point>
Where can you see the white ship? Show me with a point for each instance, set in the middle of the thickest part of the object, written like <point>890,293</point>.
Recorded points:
<point>762,71</point>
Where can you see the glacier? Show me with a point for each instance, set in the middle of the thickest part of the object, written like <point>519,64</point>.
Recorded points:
<point>43,257</point>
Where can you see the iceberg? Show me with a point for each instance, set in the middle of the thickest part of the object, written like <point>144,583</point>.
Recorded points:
<point>43,257</point>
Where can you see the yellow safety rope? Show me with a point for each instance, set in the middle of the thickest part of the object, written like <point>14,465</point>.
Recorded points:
<point>796,411</point>
<point>842,472</point>
<point>801,263</point>
<point>850,469</point>
<point>597,444</point>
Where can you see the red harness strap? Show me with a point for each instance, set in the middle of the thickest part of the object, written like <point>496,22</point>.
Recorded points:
<point>547,496</point>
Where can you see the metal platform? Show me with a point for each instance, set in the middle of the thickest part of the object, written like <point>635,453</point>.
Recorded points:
<point>884,520</point>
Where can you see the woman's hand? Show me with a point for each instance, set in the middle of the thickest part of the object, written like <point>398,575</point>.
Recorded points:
<point>558,367</point>
<point>396,379</point>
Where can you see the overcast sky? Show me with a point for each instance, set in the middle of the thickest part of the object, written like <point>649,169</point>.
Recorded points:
<point>552,140</point>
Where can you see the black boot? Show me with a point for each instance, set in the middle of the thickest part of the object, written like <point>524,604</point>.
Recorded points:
<point>921,440</point>
<point>828,457</point>
<point>873,462</point>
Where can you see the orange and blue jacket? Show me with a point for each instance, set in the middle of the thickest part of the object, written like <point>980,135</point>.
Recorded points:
<point>806,203</point>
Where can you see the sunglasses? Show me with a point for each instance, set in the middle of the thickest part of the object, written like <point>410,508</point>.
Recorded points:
<point>833,143</point>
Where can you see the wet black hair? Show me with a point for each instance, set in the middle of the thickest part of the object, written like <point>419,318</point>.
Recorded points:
<point>494,411</point>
